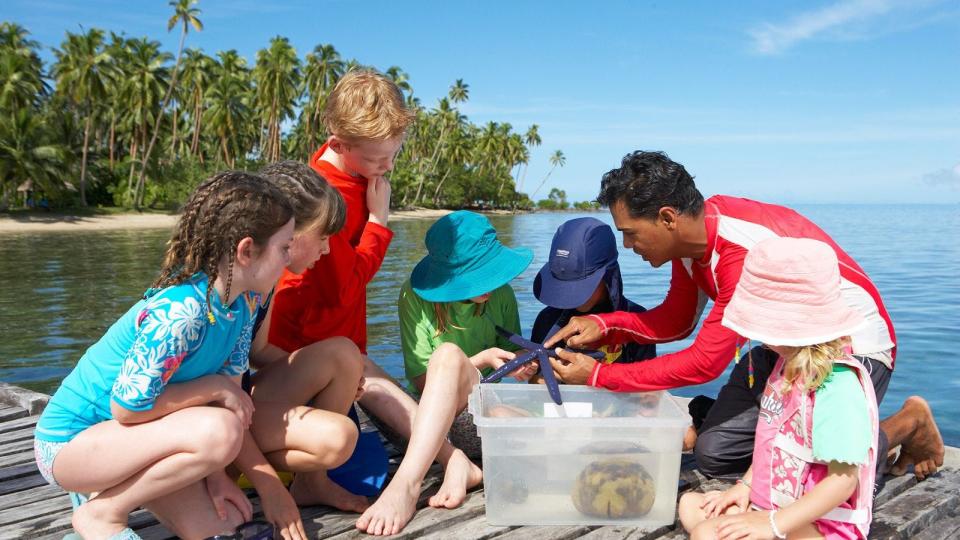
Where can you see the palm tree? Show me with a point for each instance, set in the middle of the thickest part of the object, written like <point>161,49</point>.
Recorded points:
<point>186,15</point>
<point>197,75</point>
<point>227,111</point>
<point>323,69</point>
<point>27,154</point>
<point>21,70</point>
<point>277,79</point>
<point>142,93</point>
<point>557,159</point>
<point>531,139</point>
<point>83,71</point>
<point>400,78</point>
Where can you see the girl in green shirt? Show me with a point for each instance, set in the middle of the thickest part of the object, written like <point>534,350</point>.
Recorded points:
<point>448,311</point>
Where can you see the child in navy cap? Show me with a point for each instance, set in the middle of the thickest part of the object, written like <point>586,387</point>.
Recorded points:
<point>581,277</point>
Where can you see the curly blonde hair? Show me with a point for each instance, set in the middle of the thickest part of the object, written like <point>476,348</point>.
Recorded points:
<point>366,105</point>
<point>810,365</point>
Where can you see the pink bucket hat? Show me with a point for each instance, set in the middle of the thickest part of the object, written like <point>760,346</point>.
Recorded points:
<point>789,294</point>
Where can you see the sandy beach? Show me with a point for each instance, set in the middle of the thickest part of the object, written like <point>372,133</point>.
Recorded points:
<point>36,223</point>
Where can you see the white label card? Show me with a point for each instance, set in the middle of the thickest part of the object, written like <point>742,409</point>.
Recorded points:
<point>570,409</point>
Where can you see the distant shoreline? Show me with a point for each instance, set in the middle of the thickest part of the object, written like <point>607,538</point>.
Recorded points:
<point>37,223</point>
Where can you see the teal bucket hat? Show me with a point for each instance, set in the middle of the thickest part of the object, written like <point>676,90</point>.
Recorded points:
<point>465,259</point>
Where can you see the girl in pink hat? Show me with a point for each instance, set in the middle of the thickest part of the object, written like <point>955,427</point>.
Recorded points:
<point>815,453</point>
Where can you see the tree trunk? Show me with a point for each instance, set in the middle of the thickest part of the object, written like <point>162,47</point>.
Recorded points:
<point>163,106</point>
<point>113,139</point>
<point>142,180</point>
<point>83,161</point>
<point>436,192</point>
<point>173,137</point>
<point>133,161</point>
<point>197,112</point>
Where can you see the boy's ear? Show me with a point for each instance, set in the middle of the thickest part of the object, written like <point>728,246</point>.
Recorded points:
<point>246,252</point>
<point>337,144</point>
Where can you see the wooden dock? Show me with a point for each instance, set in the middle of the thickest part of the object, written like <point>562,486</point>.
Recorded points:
<point>29,508</point>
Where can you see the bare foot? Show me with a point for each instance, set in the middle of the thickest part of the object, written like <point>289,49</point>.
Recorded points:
<point>91,520</point>
<point>924,447</point>
<point>309,489</point>
<point>393,510</point>
<point>461,474</point>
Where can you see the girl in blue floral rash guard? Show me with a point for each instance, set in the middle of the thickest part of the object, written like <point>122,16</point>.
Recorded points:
<point>153,411</point>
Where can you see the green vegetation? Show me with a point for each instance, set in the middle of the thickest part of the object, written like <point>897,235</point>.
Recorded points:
<point>115,120</point>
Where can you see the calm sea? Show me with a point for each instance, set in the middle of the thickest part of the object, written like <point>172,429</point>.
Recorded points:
<point>60,291</point>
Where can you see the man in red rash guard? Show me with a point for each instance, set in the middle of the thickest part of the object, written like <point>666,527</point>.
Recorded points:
<point>664,218</point>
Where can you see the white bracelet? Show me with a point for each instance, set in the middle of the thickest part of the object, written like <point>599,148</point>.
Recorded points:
<point>773,525</point>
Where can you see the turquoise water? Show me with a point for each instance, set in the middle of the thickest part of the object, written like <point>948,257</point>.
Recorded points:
<point>62,290</point>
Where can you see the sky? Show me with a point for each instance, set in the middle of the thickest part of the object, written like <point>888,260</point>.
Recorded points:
<point>849,101</point>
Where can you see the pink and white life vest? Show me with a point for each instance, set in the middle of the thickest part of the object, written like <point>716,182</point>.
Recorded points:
<point>783,464</point>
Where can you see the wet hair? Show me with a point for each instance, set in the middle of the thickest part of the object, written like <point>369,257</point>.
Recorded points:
<point>647,182</point>
<point>316,204</point>
<point>224,209</point>
<point>366,105</point>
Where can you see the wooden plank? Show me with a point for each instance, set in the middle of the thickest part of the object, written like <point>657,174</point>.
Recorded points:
<point>18,471</point>
<point>562,532</point>
<point>948,527</point>
<point>21,484</point>
<point>12,413</point>
<point>627,533</point>
<point>18,447</point>
<point>22,434</point>
<point>894,486</point>
<point>477,528</point>
<point>39,493</point>
<point>33,402</point>
<point>18,424</point>
<point>917,508</point>
<point>37,509</point>
<point>19,458</point>
<point>429,520</point>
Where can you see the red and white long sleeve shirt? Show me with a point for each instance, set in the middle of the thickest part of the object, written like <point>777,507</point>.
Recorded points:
<point>734,225</point>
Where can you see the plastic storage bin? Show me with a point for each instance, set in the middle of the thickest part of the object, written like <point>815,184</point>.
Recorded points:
<point>605,458</point>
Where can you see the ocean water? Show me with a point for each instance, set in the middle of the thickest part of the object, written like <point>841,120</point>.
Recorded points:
<point>60,291</point>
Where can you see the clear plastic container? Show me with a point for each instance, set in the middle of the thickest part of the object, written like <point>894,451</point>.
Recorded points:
<point>605,458</point>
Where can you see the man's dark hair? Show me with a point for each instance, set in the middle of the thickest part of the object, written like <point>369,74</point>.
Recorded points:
<point>648,181</point>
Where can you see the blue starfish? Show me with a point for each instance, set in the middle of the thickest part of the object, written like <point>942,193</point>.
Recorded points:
<point>535,351</point>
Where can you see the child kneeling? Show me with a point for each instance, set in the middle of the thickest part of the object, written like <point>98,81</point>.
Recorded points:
<point>815,453</point>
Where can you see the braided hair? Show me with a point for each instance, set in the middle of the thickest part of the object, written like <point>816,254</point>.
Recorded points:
<point>224,209</point>
<point>316,204</point>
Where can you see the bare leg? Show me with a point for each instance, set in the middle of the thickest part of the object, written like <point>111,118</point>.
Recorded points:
<point>130,465</point>
<point>384,398</point>
<point>914,429</point>
<point>689,510</point>
<point>189,513</point>
<point>450,378</point>
<point>707,530</point>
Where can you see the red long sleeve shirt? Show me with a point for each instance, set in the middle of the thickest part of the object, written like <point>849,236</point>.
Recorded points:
<point>733,226</point>
<point>330,299</point>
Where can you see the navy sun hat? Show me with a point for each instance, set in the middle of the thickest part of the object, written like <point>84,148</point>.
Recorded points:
<point>582,253</point>
<point>465,259</point>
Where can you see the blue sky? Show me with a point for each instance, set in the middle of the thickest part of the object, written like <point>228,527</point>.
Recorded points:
<point>789,102</point>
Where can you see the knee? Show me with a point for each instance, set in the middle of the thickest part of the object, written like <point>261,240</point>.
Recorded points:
<point>334,441</point>
<point>703,531</point>
<point>447,357</point>
<point>346,353</point>
<point>221,434</point>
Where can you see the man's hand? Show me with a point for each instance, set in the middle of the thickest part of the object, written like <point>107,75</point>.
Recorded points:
<point>378,200</point>
<point>579,332</point>
<point>573,368</point>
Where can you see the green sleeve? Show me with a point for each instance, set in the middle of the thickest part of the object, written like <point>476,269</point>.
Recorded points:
<point>416,332</point>
<point>841,421</point>
<point>508,316</point>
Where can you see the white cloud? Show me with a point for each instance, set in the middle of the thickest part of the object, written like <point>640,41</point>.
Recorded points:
<point>944,177</point>
<point>847,19</point>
